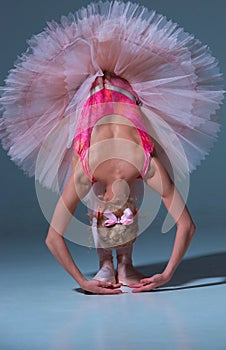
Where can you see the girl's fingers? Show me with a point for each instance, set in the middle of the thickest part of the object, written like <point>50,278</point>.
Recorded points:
<point>135,285</point>
<point>146,288</point>
<point>146,280</point>
<point>109,291</point>
<point>107,284</point>
<point>104,284</point>
<point>110,285</point>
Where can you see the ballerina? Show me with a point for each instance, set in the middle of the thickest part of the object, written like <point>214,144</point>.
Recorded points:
<point>101,83</point>
<point>127,155</point>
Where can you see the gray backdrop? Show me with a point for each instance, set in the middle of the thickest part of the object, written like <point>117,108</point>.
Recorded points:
<point>41,306</point>
<point>19,209</point>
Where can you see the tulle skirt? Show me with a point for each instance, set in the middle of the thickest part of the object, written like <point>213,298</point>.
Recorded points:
<point>175,77</point>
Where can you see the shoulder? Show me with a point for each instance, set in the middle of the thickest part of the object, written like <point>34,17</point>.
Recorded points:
<point>155,167</point>
<point>80,179</point>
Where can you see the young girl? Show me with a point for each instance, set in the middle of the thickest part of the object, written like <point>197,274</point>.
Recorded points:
<point>127,155</point>
<point>100,83</point>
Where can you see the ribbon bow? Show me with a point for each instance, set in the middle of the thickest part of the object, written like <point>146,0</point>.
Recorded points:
<point>126,218</point>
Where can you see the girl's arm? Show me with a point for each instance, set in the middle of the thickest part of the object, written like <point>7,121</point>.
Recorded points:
<point>160,182</point>
<point>62,216</point>
<point>61,219</point>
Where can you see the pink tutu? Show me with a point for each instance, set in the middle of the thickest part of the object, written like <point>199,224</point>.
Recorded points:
<point>175,77</point>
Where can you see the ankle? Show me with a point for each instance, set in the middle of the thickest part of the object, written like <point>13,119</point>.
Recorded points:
<point>124,262</point>
<point>124,255</point>
<point>106,263</point>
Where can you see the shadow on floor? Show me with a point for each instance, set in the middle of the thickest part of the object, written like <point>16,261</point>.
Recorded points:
<point>204,271</point>
<point>191,269</point>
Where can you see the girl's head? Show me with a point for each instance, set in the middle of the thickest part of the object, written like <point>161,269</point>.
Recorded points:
<point>116,227</point>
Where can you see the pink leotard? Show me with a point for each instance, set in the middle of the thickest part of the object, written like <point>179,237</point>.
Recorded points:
<point>114,97</point>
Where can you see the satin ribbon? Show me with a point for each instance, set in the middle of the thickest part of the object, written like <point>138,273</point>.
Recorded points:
<point>126,218</point>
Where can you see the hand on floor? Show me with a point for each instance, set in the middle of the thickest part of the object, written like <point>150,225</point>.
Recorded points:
<point>99,287</point>
<point>150,283</point>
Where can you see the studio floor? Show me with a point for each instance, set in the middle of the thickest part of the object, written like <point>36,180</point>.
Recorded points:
<point>43,308</point>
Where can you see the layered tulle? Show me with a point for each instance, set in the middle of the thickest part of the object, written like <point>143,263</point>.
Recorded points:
<point>176,78</point>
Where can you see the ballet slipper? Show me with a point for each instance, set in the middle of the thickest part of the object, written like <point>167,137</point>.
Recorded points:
<point>106,272</point>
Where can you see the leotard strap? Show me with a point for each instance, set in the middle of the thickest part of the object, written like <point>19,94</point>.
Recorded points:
<point>113,88</point>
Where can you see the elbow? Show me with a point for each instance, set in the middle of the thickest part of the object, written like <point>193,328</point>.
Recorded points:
<point>51,239</point>
<point>188,228</point>
<point>49,242</point>
<point>191,229</point>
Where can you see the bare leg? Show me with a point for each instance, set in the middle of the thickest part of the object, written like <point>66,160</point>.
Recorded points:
<point>126,273</point>
<point>106,272</point>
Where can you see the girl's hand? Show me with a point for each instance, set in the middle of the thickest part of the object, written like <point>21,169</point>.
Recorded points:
<point>98,287</point>
<point>150,283</point>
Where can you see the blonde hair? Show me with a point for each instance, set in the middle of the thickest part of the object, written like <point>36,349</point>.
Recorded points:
<point>117,235</point>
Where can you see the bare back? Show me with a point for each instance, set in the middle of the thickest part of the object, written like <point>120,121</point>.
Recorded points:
<point>115,150</point>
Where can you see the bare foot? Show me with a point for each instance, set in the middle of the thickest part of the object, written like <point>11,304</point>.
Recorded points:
<point>127,274</point>
<point>106,274</point>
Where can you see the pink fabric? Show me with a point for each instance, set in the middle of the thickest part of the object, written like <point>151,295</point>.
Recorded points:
<point>176,77</point>
<point>108,102</point>
<point>125,219</point>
